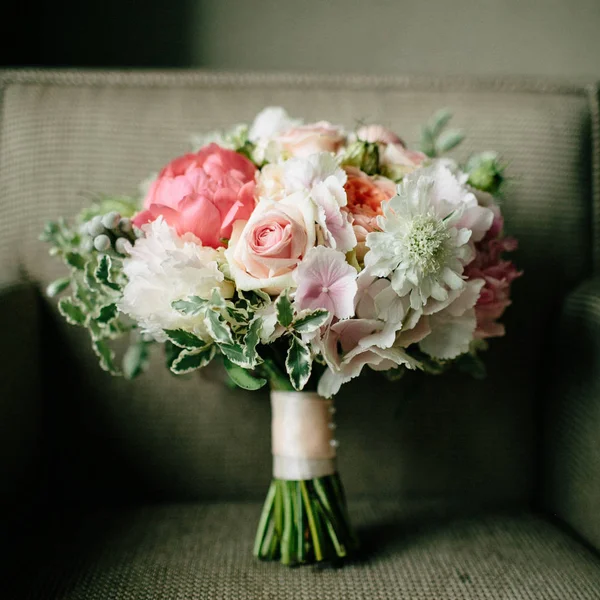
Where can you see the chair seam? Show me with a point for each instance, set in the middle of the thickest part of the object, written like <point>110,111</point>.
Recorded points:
<point>220,79</point>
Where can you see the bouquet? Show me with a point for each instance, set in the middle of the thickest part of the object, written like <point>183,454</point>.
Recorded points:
<point>297,255</point>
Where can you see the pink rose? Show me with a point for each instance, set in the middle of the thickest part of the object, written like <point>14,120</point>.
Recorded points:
<point>310,139</point>
<point>400,161</point>
<point>378,133</point>
<point>202,193</point>
<point>265,251</point>
<point>498,275</point>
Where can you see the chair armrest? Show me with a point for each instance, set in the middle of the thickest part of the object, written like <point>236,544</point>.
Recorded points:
<point>572,415</point>
<point>20,398</point>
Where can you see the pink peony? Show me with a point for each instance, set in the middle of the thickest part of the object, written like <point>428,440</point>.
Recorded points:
<point>498,275</point>
<point>310,139</point>
<point>202,193</point>
<point>326,280</point>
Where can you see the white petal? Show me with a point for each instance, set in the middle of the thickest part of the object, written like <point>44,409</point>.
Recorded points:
<point>449,337</point>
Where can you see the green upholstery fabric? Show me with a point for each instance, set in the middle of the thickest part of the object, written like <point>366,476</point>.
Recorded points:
<point>20,397</point>
<point>195,552</point>
<point>66,137</point>
<point>573,421</point>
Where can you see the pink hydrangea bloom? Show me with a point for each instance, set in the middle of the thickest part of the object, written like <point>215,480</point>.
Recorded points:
<point>326,280</point>
<point>202,193</point>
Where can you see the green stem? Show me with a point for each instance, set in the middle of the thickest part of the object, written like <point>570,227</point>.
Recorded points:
<point>288,523</point>
<point>277,379</point>
<point>299,508</point>
<point>264,517</point>
<point>312,522</point>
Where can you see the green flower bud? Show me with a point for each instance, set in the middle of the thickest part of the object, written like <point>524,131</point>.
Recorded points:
<point>122,245</point>
<point>485,172</point>
<point>95,226</point>
<point>125,225</point>
<point>87,245</point>
<point>111,220</point>
<point>364,155</point>
<point>102,243</point>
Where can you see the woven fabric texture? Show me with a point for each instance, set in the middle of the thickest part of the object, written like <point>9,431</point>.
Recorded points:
<point>20,397</point>
<point>195,552</point>
<point>66,138</point>
<point>572,438</point>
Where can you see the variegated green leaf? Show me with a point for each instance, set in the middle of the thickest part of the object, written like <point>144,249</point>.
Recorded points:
<point>57,286</point>
<point>285,312</point>
<point>192,306</point>
<point>311,321</point>
<point>102,272</point>
<point>106,356</point>
<point>71,311</point>
<point>252,339</point>
<point>236,354</point>
<point>184,339</point>
<point>191,359</point>
<point>298,363</point>
<point>107,314</point>
<point>218,329</point>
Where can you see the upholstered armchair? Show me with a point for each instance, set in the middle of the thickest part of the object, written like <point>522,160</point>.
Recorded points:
<point>459,488</point>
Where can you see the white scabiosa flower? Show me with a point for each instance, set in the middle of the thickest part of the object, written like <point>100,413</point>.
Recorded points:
<point>423,245</point>
<point>163,267</point>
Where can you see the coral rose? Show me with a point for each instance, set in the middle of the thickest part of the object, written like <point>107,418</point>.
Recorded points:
<point>365,193</point>
<point>202,193</point>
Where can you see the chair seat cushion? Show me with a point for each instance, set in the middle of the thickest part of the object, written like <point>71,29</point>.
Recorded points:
<point>201,551</point>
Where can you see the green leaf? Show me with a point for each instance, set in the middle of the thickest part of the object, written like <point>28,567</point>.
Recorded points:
<point>57,286</point>
<point>311,321</point>
<point>218,329</point>
<point>71,311</point>
<point>171,353</point>
<point>285,313</point>
<point>251,340</point>
<point>107,314</point>
<point>193,306</point>
<point>184,339</point>
<point>438,121</point>
<point>191,359</point>
<point>298,363</point>
<point>216,299</point>
<point>75,260</point>
<point>102,272</point>
<point>106,356</point>
<point>236,354</point>
<point>241,377</point>
<point>136,359</point>
<point>448,140</point>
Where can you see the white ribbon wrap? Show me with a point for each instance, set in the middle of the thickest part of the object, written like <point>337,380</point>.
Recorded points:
<point>302,435</point>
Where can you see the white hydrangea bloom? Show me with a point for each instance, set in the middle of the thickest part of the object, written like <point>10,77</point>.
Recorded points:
<point>321,177</point>
<point>267,124</point>
<point>163,267</point>
<point>426,228</point>
<point>452,327</point>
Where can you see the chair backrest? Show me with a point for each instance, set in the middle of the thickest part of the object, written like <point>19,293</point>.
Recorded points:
<point>68,136</point>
